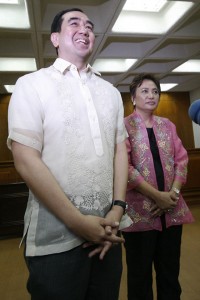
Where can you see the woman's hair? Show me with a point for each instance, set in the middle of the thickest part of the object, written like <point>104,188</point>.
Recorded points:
<point>138,80</point>
<point>58,19</point>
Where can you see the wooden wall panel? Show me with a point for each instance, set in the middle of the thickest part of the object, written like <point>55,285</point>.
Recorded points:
<point>191,190</point>
<point>5,154</point>
<point>128,106</point>
<point>13,201</point>
<point>172,105</point>
<point>8,173</point>
<point>13,197</point>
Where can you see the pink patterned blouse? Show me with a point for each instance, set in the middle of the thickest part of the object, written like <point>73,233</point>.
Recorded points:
<point>174,161</point>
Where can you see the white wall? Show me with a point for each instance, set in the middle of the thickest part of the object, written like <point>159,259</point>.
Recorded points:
<point>195,95</point>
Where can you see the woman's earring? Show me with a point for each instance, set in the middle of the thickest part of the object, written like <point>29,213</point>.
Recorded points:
<point>134,104</point>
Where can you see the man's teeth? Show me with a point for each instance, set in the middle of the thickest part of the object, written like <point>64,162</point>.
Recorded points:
<point>82,41</point>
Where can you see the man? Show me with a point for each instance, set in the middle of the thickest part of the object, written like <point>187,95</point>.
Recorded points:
<point>67,137</point>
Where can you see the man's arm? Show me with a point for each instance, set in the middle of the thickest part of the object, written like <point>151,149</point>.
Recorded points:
<point>120,177</point>
<point>42,183</point>
<point>119,192</point>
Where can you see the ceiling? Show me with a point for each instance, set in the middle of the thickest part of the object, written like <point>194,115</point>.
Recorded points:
<point>155,53</point>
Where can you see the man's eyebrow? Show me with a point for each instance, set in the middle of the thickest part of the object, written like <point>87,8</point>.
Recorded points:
<point>90,22</point>
<point>78,19</point>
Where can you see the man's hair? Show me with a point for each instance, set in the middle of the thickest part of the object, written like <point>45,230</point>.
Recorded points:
<point>58,19</point>
<point>138,80</point>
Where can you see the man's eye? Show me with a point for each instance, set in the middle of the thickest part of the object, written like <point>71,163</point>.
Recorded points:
<point>74,24</point>
<point>89,28</point>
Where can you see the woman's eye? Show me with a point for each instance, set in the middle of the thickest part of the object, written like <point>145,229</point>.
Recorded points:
<point>155,92</point>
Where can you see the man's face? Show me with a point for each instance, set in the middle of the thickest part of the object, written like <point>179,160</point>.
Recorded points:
<point>76,40</point>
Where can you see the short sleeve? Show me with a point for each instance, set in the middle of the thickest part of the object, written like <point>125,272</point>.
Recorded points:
<point>25,115</point>
<point>121,133</point>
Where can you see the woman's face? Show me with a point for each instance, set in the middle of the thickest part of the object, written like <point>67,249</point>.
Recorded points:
<point>146,97</point>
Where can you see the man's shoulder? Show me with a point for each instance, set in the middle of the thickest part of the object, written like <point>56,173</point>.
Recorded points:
<point>36,76</point>
<point>104,81</point>
<point>37,73</point>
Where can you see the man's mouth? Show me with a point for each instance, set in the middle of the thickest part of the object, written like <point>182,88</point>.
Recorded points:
<point>82,41</point>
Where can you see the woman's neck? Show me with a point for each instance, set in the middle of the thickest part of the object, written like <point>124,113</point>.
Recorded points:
<point>147,117</point>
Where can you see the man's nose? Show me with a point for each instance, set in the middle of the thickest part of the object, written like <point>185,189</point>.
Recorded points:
<point>83,29</point>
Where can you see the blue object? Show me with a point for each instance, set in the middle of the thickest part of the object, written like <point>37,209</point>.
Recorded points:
<point>194,111</point>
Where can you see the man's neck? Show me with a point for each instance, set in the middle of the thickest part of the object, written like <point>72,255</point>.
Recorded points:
<point>80,64</point>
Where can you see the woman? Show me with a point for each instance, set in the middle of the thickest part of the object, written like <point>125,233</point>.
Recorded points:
<point>157,171</point>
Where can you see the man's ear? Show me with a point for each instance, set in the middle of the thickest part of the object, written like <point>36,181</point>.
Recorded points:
<point>54,39</point>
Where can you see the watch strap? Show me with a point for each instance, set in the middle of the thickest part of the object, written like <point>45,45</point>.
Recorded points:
<point>121,203</point>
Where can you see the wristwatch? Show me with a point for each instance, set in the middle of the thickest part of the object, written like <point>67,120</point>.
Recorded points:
<point>177,191</point>
<point>121,203</point>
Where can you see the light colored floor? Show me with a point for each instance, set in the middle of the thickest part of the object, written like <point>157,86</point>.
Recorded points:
<point>13,272</point>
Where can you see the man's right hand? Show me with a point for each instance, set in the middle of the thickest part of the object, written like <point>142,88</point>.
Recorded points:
<point>93,229</point>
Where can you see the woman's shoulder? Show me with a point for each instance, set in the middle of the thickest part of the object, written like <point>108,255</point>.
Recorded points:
<point>129,117</point>
<point>132,117</point>
<point>162,120</point>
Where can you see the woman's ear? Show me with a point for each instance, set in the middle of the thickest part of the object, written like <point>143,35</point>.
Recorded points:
<point>133,101</point>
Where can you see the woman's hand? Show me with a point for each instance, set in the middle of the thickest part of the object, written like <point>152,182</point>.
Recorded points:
<point>157,212</point>
<point>166,200</point>
<point>165,203</point>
